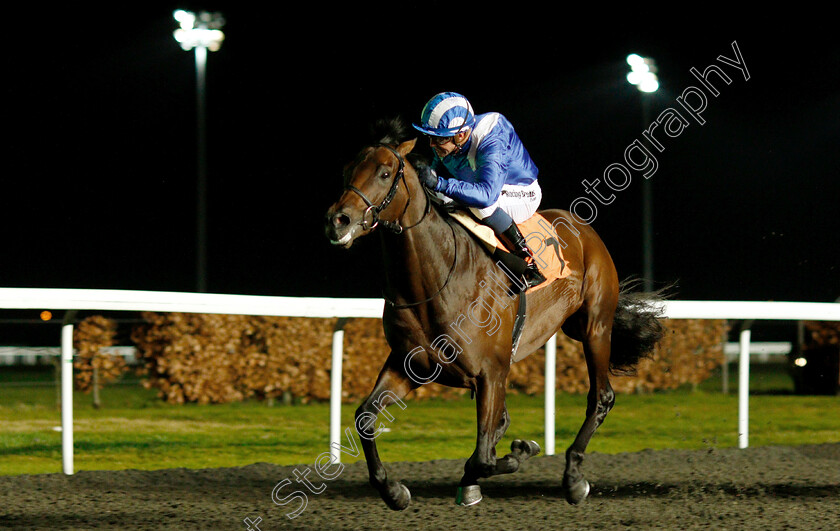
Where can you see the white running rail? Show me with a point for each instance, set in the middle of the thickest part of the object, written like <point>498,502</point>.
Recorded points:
<point>162,301</point>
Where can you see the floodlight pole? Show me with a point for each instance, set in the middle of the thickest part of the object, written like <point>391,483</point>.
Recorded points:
<point>647,212</point>
<point>201,32</point>
<point>643,76</point>
<point>201,140</point>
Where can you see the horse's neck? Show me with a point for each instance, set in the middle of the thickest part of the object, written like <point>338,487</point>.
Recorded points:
<point>419,260</point>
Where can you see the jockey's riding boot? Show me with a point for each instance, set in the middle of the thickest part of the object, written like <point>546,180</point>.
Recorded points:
<point>516,244</point>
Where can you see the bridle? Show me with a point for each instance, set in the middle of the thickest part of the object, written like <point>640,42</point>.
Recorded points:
<point>395,226</point>
<point>375,210</point>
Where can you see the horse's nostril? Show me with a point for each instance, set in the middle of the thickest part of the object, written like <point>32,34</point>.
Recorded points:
<point>340,219</point>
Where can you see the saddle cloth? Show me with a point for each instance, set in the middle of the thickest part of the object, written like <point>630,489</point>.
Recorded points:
<point>541,239</point>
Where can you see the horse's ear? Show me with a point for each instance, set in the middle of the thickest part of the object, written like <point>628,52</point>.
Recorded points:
<point>406,147</point>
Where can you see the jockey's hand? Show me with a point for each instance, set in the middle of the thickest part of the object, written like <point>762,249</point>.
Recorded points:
<point>427,176</point>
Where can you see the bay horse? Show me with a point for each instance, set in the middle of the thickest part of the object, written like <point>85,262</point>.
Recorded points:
<point>433,268</point>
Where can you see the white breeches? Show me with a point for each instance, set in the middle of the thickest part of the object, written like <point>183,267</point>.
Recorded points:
<point>520,202</point>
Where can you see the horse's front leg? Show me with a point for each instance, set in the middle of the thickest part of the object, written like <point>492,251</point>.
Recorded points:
<point>490,408</point>
<point>391,387</point>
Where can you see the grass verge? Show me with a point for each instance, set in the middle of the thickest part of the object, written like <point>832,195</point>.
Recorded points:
<point>134,430</point>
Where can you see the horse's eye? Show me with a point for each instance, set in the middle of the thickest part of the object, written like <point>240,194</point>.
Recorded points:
<point>385,175</point>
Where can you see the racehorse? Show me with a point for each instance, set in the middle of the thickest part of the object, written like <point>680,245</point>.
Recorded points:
<point>433,268</point>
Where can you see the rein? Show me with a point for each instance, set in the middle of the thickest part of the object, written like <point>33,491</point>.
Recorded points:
<point>395,226</point>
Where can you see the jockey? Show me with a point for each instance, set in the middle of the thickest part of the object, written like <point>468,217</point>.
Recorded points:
<point>480,162</point>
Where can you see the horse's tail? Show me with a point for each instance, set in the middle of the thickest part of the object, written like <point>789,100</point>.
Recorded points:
<point>637,327</point>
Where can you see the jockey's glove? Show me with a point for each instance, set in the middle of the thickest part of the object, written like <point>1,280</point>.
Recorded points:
<point>427,176</point>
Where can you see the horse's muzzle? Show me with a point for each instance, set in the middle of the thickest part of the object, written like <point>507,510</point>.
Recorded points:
<point>338,228</point>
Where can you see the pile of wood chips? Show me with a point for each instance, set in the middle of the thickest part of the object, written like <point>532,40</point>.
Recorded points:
<point>224,358</point>
<point>822,333</point>
<point>90,336</point>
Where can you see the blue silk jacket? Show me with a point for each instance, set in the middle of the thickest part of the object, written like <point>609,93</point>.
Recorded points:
<point>492,157</point>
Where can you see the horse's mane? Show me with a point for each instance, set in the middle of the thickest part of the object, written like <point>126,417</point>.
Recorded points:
<point>390,131</point>
<point>394,131</point>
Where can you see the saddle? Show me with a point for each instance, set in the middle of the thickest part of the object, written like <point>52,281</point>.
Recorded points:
<point>543,242</point>
<point>540,236</point>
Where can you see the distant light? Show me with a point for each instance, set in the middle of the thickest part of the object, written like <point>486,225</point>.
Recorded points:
<point>185,18</point>
<point>202,30</point>
<point>800,362</point>
<point>642,73</point>
<point>634,59</point>
<point>650,84</point>
<point>634,78</point>
<point>46,315</point>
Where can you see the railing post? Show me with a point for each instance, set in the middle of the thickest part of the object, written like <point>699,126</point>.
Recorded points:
<point>67,393</point>
<point>744,386</point>
<point>550,377</point>
<point>335,390</point>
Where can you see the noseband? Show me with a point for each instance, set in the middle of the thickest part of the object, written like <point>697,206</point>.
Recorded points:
<point>375,210</point>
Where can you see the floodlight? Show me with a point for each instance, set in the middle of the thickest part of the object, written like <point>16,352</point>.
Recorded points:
<point>200,31</point>
<point>642,73</point>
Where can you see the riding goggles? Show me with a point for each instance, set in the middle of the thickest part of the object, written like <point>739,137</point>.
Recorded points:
<point>439,140</point>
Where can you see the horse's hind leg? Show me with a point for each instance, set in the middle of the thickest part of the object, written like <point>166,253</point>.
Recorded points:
<point>519,450</point>
<point>601,398</point>
<point>391,386</point>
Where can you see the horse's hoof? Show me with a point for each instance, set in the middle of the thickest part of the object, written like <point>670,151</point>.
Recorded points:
<point>577,492</point>
<point>401,499</point>
<point>529,448</point>
<point>469,495</point>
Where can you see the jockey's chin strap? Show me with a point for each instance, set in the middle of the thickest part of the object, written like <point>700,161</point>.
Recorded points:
<point>374,210</point>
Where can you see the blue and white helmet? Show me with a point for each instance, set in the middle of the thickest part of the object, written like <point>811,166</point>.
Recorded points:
<point>446,114</point>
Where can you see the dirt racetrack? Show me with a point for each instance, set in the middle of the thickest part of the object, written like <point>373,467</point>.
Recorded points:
<point>756,488</point>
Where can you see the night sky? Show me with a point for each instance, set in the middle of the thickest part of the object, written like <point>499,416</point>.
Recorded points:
<point>99,156</point>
